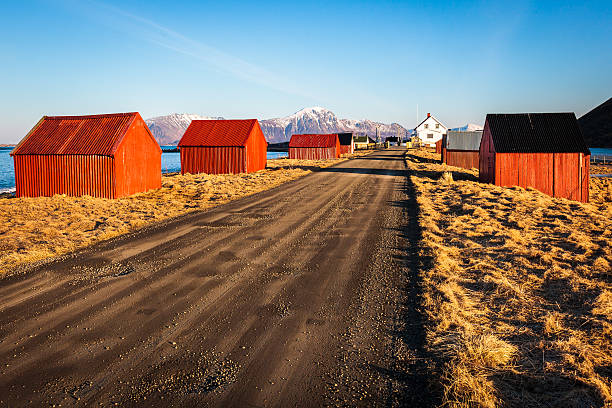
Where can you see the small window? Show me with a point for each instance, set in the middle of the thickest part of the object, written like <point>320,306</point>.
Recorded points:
<point>426,126</point>
<point>437,126</point>
<point>430,135</point>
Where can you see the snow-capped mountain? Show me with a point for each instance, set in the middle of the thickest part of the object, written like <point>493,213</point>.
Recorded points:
<point>470,127</point>
<point>321,120</point>
<point>169,129</point>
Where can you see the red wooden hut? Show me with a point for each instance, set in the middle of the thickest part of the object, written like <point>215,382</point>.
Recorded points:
<point>461,148</point>
<point>346,143</point>
<point>545,151</point>
<point>439,146</point>
<point>223,147</point>
<point>314,146</point>
<point>108,156</point>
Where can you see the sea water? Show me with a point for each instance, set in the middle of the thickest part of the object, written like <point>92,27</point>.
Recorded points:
<point>7,171</point>
<point>600,153</point>
<point>171,163</point>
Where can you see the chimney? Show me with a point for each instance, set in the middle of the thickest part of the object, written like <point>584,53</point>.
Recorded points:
<point>428,114</point>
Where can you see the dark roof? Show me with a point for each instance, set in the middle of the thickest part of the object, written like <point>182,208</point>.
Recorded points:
<point>218,133</point>
<point>393,139</point>
<point>313,140</point>
<point>536,133</point>
<point>81,135</point>
<point>346,139</point>
<point>363,139</point>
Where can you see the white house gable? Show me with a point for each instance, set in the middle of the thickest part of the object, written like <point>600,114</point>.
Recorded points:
<point>430,131</point>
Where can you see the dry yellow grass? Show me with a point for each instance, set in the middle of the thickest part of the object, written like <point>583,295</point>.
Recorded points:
<point>518,293</point>
<point>601,168</point>
<point>32,229</point>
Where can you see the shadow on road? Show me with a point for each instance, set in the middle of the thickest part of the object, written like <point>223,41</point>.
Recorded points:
<point>306,168</point>
<point>413,368</point>
<point>357,170</point>
<point>419,159</point>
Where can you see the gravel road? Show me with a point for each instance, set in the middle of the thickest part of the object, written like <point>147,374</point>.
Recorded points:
<point>303,295</point>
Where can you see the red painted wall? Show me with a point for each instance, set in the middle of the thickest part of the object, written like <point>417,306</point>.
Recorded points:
<point>256,150</point>
<point>73,175</point>
<point>213,160</point>
<point>486,157</point>
<point>314,153</point>
<point>461,158</point>
<point>586,176</point>
<point>137,161</point>
<point>346,149</point>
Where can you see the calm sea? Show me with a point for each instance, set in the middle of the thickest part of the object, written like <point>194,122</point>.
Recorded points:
<point>171,162</point>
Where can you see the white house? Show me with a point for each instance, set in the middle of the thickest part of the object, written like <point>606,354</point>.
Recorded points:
<point>430,131</point>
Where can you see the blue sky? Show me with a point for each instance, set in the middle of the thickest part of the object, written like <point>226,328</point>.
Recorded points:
<point>372,59</point>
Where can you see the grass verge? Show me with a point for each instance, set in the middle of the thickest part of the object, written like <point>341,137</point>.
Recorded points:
<point>519,295</point>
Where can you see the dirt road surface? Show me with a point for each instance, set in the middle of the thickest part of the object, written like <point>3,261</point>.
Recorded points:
<point>303,295</point>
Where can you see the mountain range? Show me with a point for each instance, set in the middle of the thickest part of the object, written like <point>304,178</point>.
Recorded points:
<point>168,129</point>
<point>470,127</point>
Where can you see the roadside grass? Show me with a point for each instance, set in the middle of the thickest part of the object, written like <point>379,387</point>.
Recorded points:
<point>601,169</point>
<point>33,229</point>
<point>519,296</point>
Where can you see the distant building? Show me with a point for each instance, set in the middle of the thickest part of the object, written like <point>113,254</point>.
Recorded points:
<point>545,151</point>
<point>393,140</point>
<point>430,130</point>
<point>314,146</point>
<point>363,141</point>
<point>109,156</point>
<point>461,149</point>
<point>223,147</point>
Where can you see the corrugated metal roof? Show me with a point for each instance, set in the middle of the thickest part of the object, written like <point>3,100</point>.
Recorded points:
<point>346,139</point>
<point>536,133</point>
<point>217,133</point>
<point>313,140</point>
<point>457,140</point>
<point>91,134</point>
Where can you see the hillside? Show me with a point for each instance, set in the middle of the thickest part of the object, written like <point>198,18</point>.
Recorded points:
<point>321,120</point>
<point>169,129</point>
<point>596,125</point>
<point>470,127</point>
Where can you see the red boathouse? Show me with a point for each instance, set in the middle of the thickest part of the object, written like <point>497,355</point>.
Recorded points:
<point>545,151</point>
<point>109,156</point>
<point>314,146</point>
<point>461,148</point>
<point>223,147</point>
<point>346,143</point>
<point>439,147</point>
